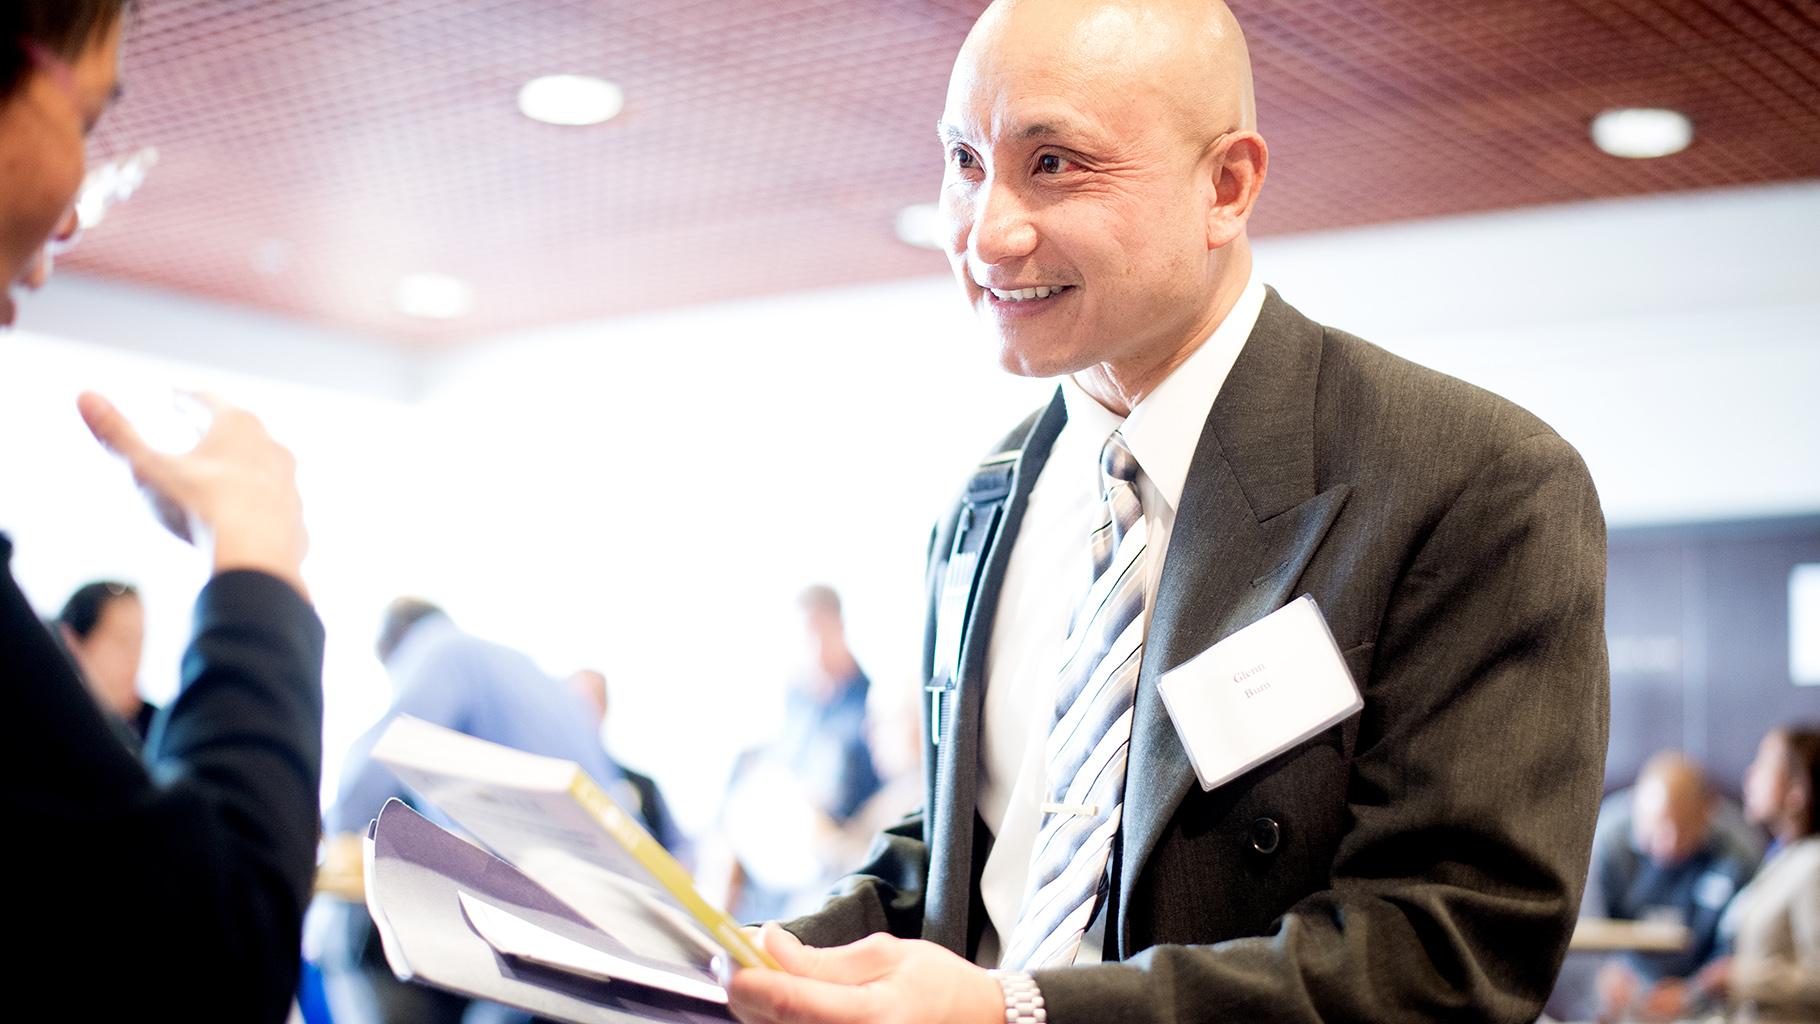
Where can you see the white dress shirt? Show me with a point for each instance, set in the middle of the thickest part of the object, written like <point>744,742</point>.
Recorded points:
<point>1049,573</point>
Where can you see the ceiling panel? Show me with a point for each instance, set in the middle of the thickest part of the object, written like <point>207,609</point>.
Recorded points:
<point>314,151</point>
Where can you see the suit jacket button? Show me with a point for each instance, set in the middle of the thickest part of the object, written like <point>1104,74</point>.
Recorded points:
<point>1265,834</point>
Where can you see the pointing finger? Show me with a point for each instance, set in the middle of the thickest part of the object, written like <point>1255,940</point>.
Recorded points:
<point>112,429</point>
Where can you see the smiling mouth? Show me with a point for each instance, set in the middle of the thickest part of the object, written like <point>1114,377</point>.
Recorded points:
<point>1028,294</point>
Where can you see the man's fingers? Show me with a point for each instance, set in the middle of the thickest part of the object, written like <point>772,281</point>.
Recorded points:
<point>757,994</point>
<point>112,430</point>
<point>853,964</point>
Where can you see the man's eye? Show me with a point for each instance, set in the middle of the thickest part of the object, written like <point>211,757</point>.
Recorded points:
<point>963,159</point>
<point>1052,163</point>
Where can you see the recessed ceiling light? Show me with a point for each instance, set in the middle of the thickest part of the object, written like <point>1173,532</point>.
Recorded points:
<point>921,225</point>
<point>570,99</point>
<point>1640,133</point>
<point>433,296</point>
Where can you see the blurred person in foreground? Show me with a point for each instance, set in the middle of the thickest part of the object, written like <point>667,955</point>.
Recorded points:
<point>103,627</point>
<point>1672,866</point>
<point>1772,927</point>
<point>646,800</point>
<point>1210,456</point>
<point>179,882</point>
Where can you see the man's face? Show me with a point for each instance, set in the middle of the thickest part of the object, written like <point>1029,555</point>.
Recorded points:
<point>1766,781</point>
<point>1069,169</point>
<point>110,654</point>
<point>1670,822</point>
<point>43,126</point>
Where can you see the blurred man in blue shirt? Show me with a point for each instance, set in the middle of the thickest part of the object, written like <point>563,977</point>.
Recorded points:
<point>445,676</point>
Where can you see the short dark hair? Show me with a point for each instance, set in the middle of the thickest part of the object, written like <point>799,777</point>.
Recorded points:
<point>83,610</point>
<point>400,616</point>
<point>64,27</point>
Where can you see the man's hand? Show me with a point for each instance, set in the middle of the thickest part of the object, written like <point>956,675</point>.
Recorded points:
<point>877,979</point>
<point>1714,980</point>
<point>234,494</point>
<point>1667,1000</point>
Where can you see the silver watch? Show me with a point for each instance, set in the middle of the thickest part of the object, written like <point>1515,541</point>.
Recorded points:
<point>1023,1000</point>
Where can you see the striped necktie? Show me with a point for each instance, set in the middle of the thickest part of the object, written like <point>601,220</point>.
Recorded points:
<point>1084,758</point>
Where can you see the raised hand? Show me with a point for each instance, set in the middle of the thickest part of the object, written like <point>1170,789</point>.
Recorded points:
<point>234,495</point>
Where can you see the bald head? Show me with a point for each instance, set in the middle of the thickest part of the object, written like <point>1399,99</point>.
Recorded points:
<point>1103,162</point>
<point>1187,54</point>
<point>1672,810</point>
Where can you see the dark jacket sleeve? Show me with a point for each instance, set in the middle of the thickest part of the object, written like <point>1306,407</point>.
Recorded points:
<point>886,895</point>
<point>1471,795</point>
<point>180,882</point>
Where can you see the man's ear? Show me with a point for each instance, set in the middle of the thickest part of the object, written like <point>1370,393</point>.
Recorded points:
<point>1236,164</point>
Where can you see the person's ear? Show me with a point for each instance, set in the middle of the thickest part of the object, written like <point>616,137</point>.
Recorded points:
<point>1236,164</point>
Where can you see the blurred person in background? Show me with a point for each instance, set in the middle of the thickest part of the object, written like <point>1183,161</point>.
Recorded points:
<point>459,681</point>
<point>790,798</point>
<point>1669,864</point>
<point>894,731</point>
<point>646,801</point>
<point>1773,925</point>
<point>179,882</point>
<point>103,627</point>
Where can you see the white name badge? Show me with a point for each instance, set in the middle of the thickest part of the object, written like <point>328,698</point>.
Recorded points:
<point>1259,692</point>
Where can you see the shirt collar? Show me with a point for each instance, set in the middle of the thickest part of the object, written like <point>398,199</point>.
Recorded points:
<point>1164,429</point>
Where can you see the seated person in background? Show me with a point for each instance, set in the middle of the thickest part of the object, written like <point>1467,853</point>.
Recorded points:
<point>179,882</point>
<point>648,802</point>
<point>103,627</point>
<point>1773,926</point>
<point>1671,866</point>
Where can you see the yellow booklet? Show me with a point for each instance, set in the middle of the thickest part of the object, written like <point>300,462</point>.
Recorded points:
<point>560,828</point>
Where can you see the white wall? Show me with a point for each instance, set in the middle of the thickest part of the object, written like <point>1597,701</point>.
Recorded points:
<point>645,494</point>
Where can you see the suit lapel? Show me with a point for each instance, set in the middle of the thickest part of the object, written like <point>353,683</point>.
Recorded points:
<point>952,864</point>
<point>1248,523</point>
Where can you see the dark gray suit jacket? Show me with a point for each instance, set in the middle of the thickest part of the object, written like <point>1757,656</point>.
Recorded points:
<point>1422,861</point>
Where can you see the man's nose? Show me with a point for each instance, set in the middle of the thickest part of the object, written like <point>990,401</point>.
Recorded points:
<point>39,271</point>
<point>1002,226</point>
<point>66,228</point>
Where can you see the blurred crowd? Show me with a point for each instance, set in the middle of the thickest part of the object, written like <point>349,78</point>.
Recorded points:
<point>1739,878</point>
<point>800,808</point>
<point>1737,884</point>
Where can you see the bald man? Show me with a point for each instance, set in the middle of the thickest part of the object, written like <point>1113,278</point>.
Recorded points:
<point>1209,456</point>
<point>1669,864</point>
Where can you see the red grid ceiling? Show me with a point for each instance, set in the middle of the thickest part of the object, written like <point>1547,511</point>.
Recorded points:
<point>313,151</point>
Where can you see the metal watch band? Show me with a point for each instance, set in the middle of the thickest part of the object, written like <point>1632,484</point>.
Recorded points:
<point>1023,1000</point>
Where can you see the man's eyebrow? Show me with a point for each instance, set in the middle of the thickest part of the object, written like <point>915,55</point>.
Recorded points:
<point>1033,130</point>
